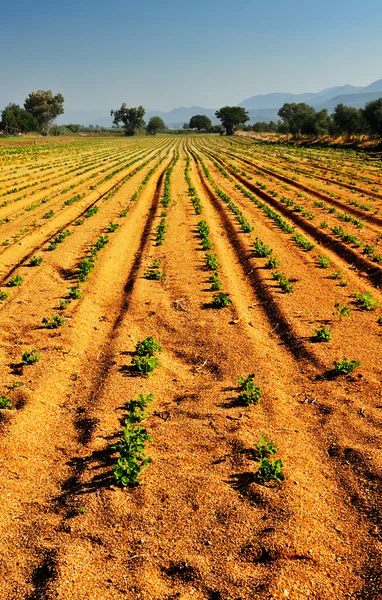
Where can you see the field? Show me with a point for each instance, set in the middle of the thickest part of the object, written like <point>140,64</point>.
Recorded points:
<point>238,258</point>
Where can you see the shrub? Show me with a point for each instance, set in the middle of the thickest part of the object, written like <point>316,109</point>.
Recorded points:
<point>345,366</point>
<point>249,392</point>
<point>30,357</point>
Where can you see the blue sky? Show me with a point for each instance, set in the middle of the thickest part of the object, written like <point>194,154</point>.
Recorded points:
<point>165,54</point>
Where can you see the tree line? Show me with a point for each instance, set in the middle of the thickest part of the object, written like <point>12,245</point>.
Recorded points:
<point>302,119</point>
<point>40,110</point>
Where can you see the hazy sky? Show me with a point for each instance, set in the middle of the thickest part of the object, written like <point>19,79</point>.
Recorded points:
<point>170,53</point>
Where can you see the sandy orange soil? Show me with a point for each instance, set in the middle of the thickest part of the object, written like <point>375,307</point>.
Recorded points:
<point>201,525</point>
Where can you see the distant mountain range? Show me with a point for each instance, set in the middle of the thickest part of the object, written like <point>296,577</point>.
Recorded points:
<point>262,107</point>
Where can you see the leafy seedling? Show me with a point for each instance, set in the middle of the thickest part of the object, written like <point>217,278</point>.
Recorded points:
<point>15,281</point>
<point>3,296</point>
<point>342,310</point>
<point>5,403</point>
<point>272,263</point>
<point>324,262</point>
<point>221,300</point>
<point>30,357</point>
<point>137,408</point>
<point>265,447</point>
<point>35,261</point>
<point>323,334</point>
<point>131,459</point>
<point>365,301</point>
<point>270,470</point>
<point>145,364</point>
<point>345,366</point>
<point>53,322</point>
<point>249,392</point>
<point>75,293</point>
<point>148,347</point>
<point>260,249</point>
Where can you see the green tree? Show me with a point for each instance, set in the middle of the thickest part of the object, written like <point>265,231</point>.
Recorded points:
<point>44,107</point>
<point>373,116</point>
<point>132,118</point>
<point>299,118</point>
<point>347,119</point>
<point>200,122</point>
<point>232,117</point>
<point>154,125</point>
<point>15,116</point>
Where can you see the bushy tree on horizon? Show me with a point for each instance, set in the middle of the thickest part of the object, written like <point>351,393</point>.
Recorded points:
<point>15,116</point>
<point>200,122</point>
<point>132,118</point>
<point>232,117</point>
<point>347,119</point>
<point>372,114</point>
<point>154,125</point>
<point>44,107</point>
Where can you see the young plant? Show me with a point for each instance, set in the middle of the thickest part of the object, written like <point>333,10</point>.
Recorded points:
<point>148,347</point>
<point>303,242</point>
<point>323,334</point>
<point>145,364</point>
<point>342,310</point>
<point>112,227</point>
<point>283,282</point>
<point>5,403</point>
<point>345,366</point>
<point>153,275</point>
<point>3,296</point>
<point>365,301</point>
<point>249,392</point>
<point>91,212</point>
<point>137,408</point>
<point>131,459</point>
<point>15,281</point>
<point>53,322</point>
<point>260,249</point>
<point>63,304</point>
<point>211,261</point>
<point>272,263</point>
<point>35,261</point>
<point>75,293</point>
<point>30,357</point>
<point>324,262</point>
<point>221,300</point>
<point>268,469</point>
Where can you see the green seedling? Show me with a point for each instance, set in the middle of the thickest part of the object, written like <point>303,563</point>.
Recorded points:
<point>137,409</point>
<point>75,293</point>
<point>91,212</point>
<point>272,263</point>
<point>283,282</point>
<point>63,304</point>
<point>148,347</point>
<point>153,275</point>
<point>324,262</point>
<point>336,275</point>
<point>249,392</point>
<point>85,267</point>
<point>112,227</point>
<point>3,296</point>
<point>270,470</point>
<point>145,364</point>
<point>52,246</point>
<point>265,447</point>
<point>78,222</point>
<point>345,366</point>
<point>15,281</point>
<point>35,261</point>
<point>323,334</point>
<point>365,301</point>
<point>260,249</point>
<point>156,264</point>
<point>30,357</point>
<point>15,384</point>
<point>221,300</point>
<point>342,310</point>
<point>48,215</point>
<point>211,261</point>
<point>131,459</point>
<point>303,242</point>
<point>53,322</point>
<point>5,403</point>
